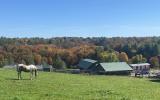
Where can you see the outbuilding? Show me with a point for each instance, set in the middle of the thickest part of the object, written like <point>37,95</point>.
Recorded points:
<point>87,64</point>
<point>94,67</point>
<point>113,68</point>
<point>141,68</point>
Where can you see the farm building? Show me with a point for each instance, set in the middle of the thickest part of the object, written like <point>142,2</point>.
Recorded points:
<point>113,68</point>
<point>140,69</point>
<point>86,64</point>
<point>92,66</point>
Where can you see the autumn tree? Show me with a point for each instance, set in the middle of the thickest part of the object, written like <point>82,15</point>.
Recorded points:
<point>138,59</point>
<point>44,61</point>
<point>49,59</point>
<point>108,56</point>
<point>155,62</point>
<point>37,59</point>
<point>123,57</point>
<point>23,53</point>
<point>29,59</point>
<point>70,57</point>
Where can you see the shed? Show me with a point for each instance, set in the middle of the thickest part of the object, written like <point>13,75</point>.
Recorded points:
<point>141,68</point>
<point>113,68</point>
<point>86,64</point>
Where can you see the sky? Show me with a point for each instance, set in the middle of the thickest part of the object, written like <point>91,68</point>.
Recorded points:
<point>79,18</point>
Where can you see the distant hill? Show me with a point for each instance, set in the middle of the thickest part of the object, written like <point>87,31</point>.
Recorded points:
<point>71,49</point>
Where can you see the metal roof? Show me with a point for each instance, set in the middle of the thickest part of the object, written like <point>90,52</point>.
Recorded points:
<point>116,66</point>
<point>90,60</point>
<point>86,63</point>
<point>141,64</point>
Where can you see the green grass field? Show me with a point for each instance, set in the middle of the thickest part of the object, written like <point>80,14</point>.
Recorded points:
<point>59,86</point>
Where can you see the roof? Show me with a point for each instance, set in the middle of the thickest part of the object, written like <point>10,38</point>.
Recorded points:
<point>86,63</point>
<point>116,66</point>
<point>141,64</point>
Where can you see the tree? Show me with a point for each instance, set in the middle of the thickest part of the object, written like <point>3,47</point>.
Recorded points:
<point>98,50</point>
<point>69,57</point>
<point>29,60</point>
<point>10,60</point>
<point>108,57</point>
<point>37,59</point>
<point>23,53</point>
<point>138,59</point>
<point>155,62</point>
<point>58,63</point>
<point>49,59</point>
<point>3,61</point>
<point>123,57</point>
<point>157,49</point>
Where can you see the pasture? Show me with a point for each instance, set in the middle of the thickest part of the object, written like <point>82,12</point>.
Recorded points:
<point>60,86</point>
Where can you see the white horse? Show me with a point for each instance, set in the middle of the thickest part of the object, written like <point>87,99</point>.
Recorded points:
<point>30,68</point>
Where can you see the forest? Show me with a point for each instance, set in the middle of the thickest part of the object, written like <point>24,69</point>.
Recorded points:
<point>66,52</point>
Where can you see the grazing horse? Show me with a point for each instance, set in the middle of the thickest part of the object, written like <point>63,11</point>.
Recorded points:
<point>30,68</point>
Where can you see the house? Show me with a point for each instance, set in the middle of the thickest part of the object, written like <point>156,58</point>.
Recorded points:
<point>86,64</point>
<point>112,68</point>
<point>141,68</point>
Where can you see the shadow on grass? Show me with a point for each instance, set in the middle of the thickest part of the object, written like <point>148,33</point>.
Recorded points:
<point>157,80</point>
<point>15,79</point>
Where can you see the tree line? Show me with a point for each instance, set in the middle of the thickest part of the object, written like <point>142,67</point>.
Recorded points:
<point>65,52</point>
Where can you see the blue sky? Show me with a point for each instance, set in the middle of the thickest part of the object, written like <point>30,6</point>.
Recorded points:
<point>79,18</point>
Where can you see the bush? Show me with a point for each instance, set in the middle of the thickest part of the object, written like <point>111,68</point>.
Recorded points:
<point>59,63</point>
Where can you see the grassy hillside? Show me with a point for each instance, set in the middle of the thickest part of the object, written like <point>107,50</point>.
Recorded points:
<point>53,86</point>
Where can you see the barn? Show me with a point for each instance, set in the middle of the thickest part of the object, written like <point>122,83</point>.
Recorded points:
<point>87,64</point>
<point>113,68</point>
<point>94,67</point>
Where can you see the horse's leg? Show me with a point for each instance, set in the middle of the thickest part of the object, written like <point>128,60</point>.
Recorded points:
<point>35,72</point>
<point>20,74</point>
<point>31,74</point>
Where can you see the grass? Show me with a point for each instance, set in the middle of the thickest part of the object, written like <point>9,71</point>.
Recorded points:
<point>59,86</point>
